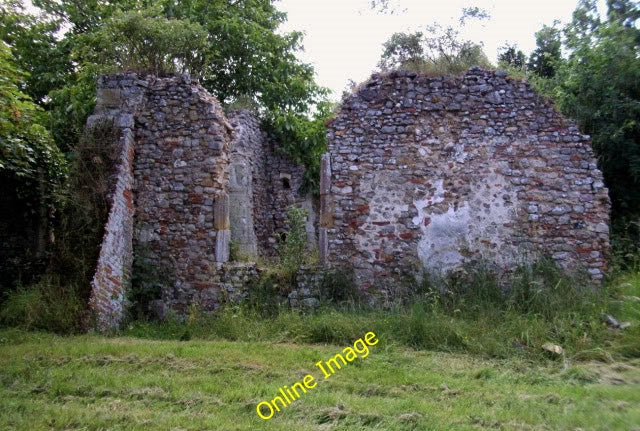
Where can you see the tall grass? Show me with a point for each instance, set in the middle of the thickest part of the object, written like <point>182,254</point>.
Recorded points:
<point>50,304</point>
<point>470,312</point>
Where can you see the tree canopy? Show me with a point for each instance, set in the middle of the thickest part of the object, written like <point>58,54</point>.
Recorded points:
<point>233,47</point>
<point>598,84</point>
<point>28,156</point>
<point>438,49</point>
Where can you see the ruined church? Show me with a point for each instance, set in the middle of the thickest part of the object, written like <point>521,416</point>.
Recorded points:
<point>421,174</point>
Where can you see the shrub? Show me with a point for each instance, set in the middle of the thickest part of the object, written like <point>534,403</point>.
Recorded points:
<point>542,288</point>
<point>48,304</point>
<point>292,253</point>
<point>145,41</point>
<point>265,295</point>
<point>147,281</point>
<point>86,209</point>
<point>337,287</point>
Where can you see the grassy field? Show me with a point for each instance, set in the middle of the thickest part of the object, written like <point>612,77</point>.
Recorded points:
<point>468,358</point>
<point>123,383</point>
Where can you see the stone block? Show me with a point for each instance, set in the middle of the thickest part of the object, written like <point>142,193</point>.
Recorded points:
<point>108,98</point>
<point>221,212</point>
<point>223,243</point>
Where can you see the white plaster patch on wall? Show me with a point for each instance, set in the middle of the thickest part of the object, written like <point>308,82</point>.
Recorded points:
<point>476,226</point>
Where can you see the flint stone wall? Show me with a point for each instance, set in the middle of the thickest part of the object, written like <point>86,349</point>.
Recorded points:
<point>265,179</point>
<point>435,172</point>
<point>197,185</point>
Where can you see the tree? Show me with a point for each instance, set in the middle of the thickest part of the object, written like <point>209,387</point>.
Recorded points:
<point>599,86</point>
<point>243,55</point>
<point>145,41</point>
<point>402,50</point>
<point>35,48</point>
<point>437,49</point>
<point>511,56</point>
<point>303,138</point>
<point>26,149</point>
<point>545,59</point>
<point>32,172</point>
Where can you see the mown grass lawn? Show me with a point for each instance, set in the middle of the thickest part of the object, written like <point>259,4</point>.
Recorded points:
<point>98,383</point>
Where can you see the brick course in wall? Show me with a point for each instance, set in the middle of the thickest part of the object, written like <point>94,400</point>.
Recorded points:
<point>433,172</point>
<point>113,270</point>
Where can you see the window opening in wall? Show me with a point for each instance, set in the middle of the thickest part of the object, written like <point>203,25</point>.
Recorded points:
<point>285,180</point>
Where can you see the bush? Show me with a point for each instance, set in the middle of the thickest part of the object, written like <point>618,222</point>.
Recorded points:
<point>86,207</point>
<point>147,281</point>
<point>544,289</point>
<point>266,295</point>
<point>293,249</point>
<point>48,304</point>
<point>145,41</point>
<point>337,287</point>
<point>467,311</point>
<point>539,288</point>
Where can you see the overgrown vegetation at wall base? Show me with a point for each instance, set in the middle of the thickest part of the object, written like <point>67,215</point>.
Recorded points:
<point>58,301</point>
<point>464,314</point>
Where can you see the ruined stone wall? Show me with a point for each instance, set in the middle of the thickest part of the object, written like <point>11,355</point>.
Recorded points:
<point>251,205</point>
<point>181,172</point>
<point>113,270</point>
<point>263,178</point>
<point>197,183</point>
<point>286,180</point>
<point>434,172</point>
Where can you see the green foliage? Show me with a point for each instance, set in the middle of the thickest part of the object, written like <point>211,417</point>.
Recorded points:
<point>32,172</point>
<point>278,279</point>
<point>86,206</point>
<point>509,56</point>
<point>145,41</point>
<point>26,149</point>
<point>266,295</point>
<point>404,50</point>
<point>235,49</point>
<point>247,55</point>
<point>303,139</point>
<point>243,55</point>
<point>49,304</point>
<point>598,85</point>
<point>545,290</point>
<point>69,107</point>
<point>337,287</point>
<point>147,281</point>
<point>545,59</point>
<point>479,319</point>
<point>438,50</point>
<point>164,383</point>
<point>539,289</point>
<point>466,311</point>
<point>292,252</point>
<point>35,48</point>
